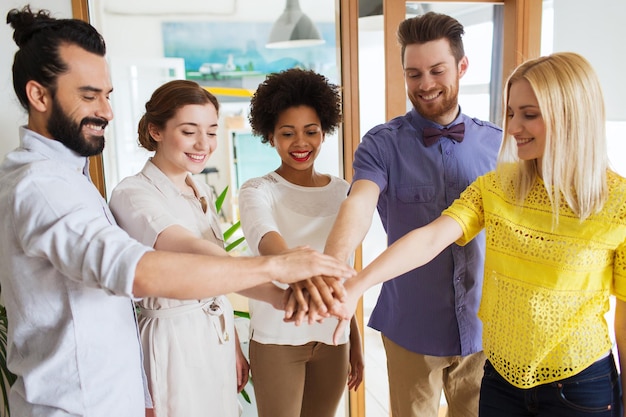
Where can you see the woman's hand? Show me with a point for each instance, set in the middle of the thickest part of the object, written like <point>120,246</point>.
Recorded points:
<point>355,377</point>
<point>242,365</point>
<point>299,309</point>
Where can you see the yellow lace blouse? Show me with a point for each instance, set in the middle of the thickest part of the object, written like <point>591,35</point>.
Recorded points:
<point>545,291</point>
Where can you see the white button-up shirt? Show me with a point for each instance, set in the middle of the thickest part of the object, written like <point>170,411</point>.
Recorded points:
<point>67,273</point>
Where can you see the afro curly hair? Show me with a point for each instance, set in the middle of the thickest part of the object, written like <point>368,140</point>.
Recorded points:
<point>291,88</point>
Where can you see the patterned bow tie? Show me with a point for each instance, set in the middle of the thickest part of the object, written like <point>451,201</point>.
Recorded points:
<point>432,134</point>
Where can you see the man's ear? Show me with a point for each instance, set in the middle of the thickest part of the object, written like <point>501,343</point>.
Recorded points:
<point>38,96</point>
<point>463,64</point>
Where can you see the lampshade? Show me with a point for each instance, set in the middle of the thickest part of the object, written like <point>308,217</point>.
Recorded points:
<point>371,13</point>
<point>294,29</point>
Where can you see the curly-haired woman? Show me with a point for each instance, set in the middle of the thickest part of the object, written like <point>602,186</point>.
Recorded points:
<point>297,370</point>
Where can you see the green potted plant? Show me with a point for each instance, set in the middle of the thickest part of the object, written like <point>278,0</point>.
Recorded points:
<point>229,246</point>
<point>228,234</point>
<point>7,377</point>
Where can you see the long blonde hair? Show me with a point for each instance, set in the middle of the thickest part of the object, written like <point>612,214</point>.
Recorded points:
<point>575,161</point>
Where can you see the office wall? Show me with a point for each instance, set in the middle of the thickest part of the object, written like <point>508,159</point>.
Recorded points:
<point>596,31</point>
<point>12,115</point>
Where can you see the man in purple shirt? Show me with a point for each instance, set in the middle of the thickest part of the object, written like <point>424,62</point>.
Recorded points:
<point>411,169</point>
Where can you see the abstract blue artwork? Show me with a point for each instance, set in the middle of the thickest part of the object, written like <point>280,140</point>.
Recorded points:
<point>219,51</point>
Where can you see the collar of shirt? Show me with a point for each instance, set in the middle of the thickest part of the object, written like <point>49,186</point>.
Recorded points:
<point>419,122</point>
<point>52,149</point>
<point>162,183</point>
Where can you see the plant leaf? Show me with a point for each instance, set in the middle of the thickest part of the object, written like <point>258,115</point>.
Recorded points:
<point>245,396</point>
<point>231,230</point>
<point>233,245</point>
<point>243,314</point>
<point>219,202</point>
<point>6,377</point>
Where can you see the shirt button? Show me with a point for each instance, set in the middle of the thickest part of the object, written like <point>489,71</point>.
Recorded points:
<point>447,152</point>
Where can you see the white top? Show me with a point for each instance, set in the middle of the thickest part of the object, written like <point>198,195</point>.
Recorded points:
<point>302,216</point>
<point>188,345</point>
<point>67,276</point>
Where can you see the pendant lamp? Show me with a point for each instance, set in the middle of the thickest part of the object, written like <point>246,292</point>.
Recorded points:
<point>293,29</point>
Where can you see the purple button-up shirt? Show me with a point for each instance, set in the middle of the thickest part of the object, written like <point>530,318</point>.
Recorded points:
<point>431,310</point>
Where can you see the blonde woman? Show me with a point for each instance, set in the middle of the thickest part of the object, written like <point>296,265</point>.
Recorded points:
<point>555,222</point>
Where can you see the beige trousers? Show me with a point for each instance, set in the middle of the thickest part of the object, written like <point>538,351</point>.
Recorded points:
<point>292,381</point>
<point>416,382</point>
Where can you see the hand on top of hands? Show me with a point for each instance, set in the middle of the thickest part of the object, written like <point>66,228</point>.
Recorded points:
<point>301,263</point>
<point>313,299</point>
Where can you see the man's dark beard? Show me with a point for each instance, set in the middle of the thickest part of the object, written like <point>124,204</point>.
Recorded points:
<point>69,133</point>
